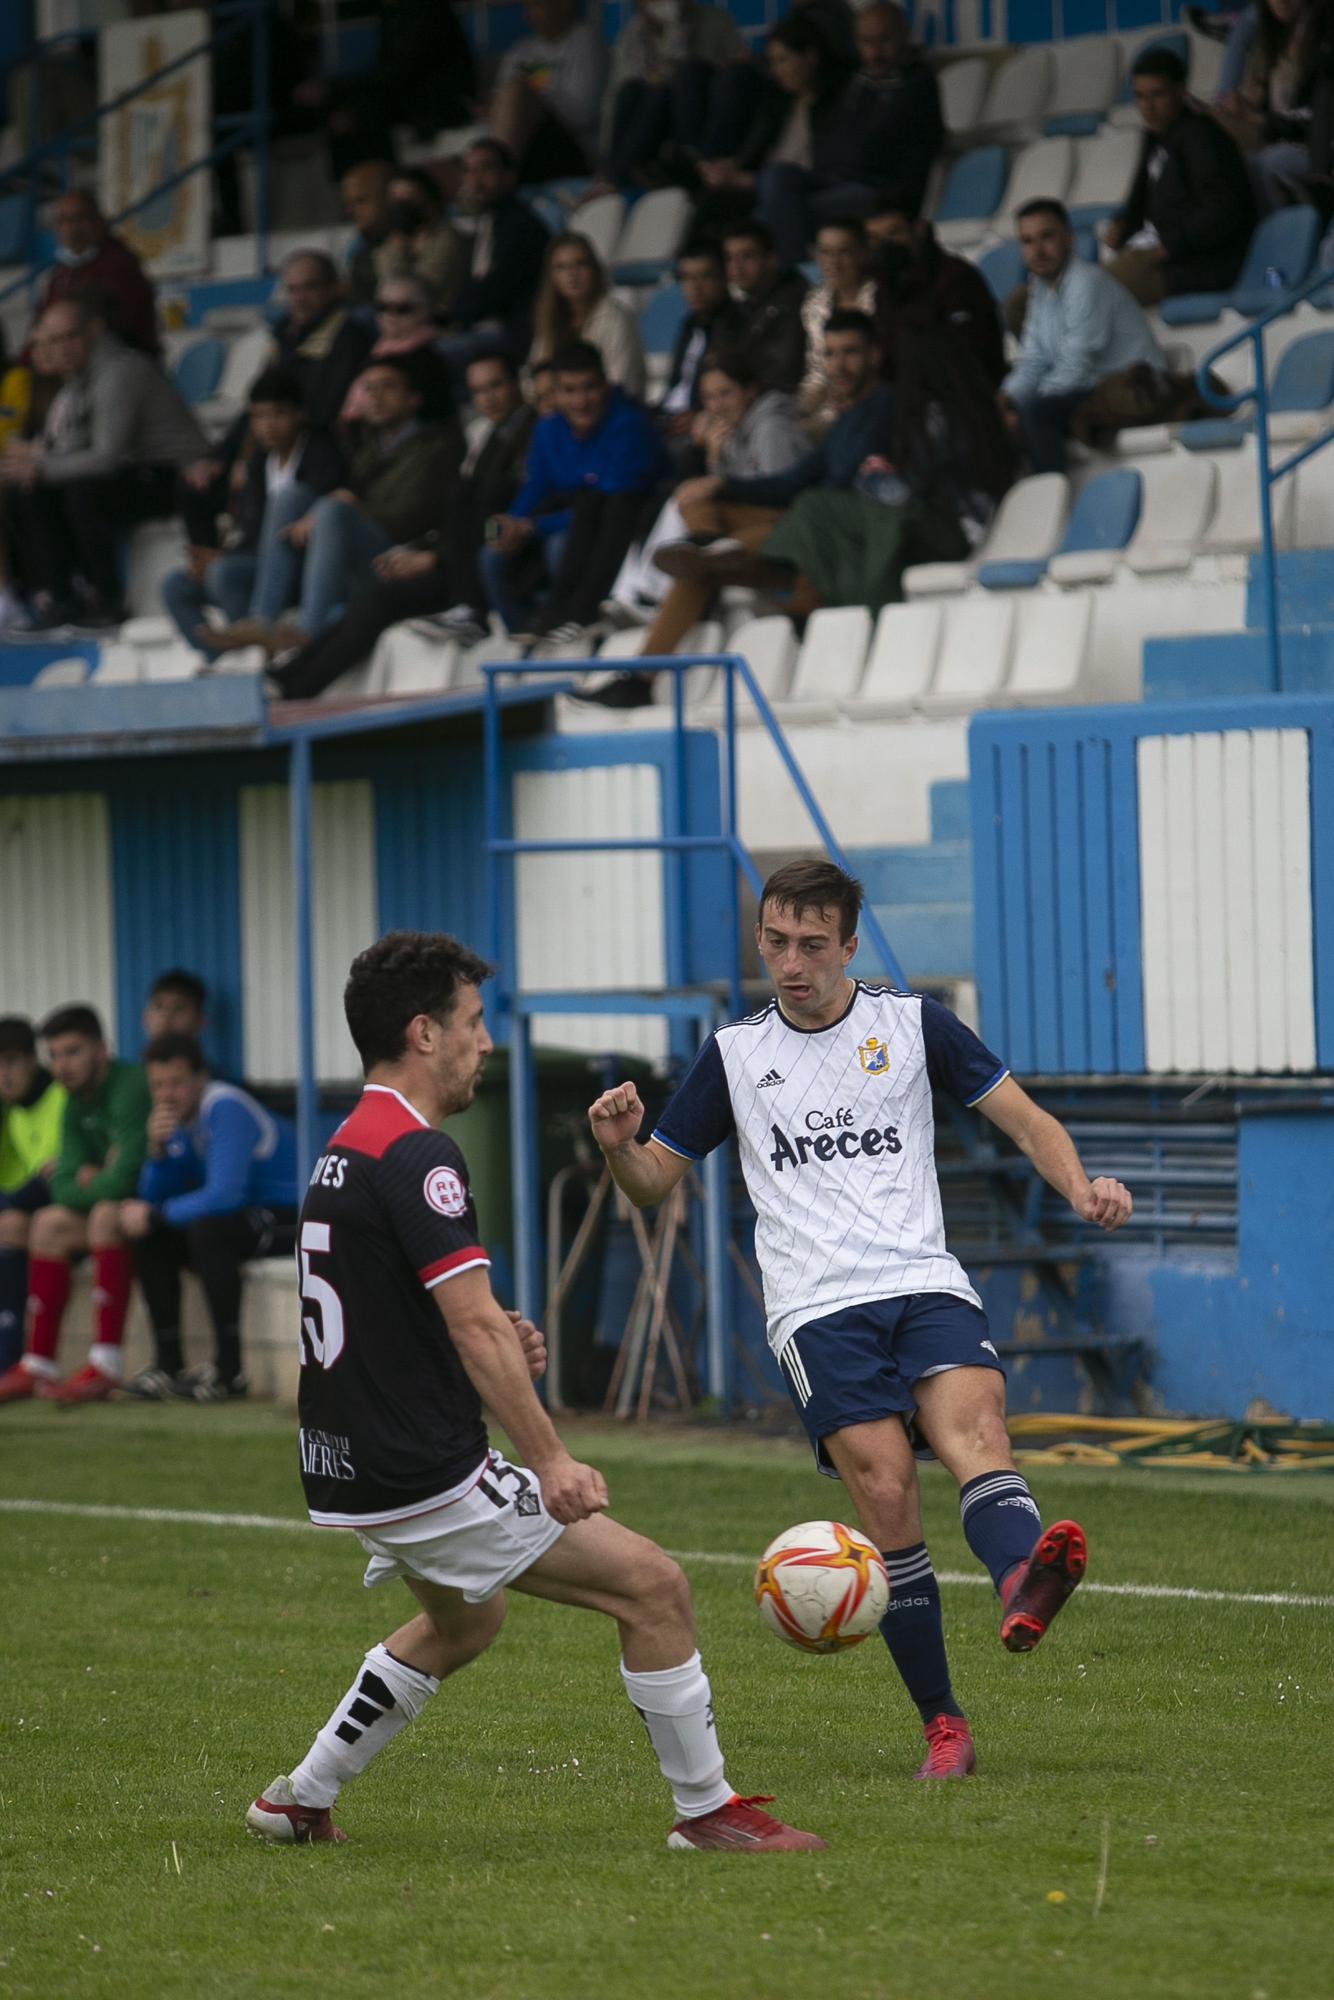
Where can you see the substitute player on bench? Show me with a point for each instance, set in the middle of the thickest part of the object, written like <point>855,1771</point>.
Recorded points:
<point>402,1344</point>
<point>879,1334</point>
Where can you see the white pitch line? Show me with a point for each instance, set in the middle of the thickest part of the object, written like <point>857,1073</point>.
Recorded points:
<point>186,1517</point>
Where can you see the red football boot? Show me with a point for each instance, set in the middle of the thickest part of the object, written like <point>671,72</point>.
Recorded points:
<point>740,1824</point>
<point>275,1815</point>
<point>90,1385</point>
<point>18,1383</point>
<point>950,1752</point>
<point>1033,1594</point>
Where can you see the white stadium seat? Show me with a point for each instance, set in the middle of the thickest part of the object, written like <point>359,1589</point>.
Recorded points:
<point>903,655</point>
<point>1178,500</point>
<point>1086,76</point>
<point>1235,526</point>
<point>833,655</point>
<point>1017,96</point>
<point>1313,501</point>
<point>1050,647</point>
<point>1104,168</point>
<point>408,663</point>
<point>1029,524</point>
<point>61,674</point>
<point>975,649</point>
<point>601,221</point>
<point>654,228</point>
<point>963,85</point>
<point>1043,169</point>
<point>769,648</point>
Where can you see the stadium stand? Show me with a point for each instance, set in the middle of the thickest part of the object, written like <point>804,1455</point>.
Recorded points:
<point>1139,573</point>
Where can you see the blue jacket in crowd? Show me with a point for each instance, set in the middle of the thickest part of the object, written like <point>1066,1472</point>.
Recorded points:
<point>623,455</point>
<point>235,1155</point>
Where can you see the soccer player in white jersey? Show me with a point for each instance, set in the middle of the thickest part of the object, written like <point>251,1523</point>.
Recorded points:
<point>882,1341</point>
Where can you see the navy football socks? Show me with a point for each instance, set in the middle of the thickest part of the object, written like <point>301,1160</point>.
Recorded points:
<point>1001,1521</point>
<point>914,1631</point>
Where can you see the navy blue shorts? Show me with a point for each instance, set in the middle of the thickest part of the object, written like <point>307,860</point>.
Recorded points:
<point>861,1364</point>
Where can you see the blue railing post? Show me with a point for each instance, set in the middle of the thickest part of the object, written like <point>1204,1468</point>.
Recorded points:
<point>1268,552</point>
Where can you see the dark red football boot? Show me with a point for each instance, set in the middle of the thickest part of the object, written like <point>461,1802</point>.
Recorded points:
<point>1033,1594</point>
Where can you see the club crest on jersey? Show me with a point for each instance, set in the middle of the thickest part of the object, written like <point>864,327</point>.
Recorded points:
<point>445,1191</point>
<point>873,1054</point>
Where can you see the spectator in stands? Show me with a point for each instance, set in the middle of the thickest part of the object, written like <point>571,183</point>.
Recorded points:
<point>392,496</point>
<point>743,432</point>
<point>730,519</point>
<point>906,124</point>
<point>111,453</point>
<point>495,305</point>
<point>1191,210</point>
<point>177,1004</point>
<point>548,95</point>
<point>219,1186</point>
<point>102,1145</point>
<point>405,324</point>
<point>364,189</point>
<point>1269,111</point>
<point>32,1111</point>
<point>847,286</point>
<point>768,303</point>
<point>439,575</point>
<point>575,303</point>
<point>91,258</point>
<point>931,500</point>
<point>664,64</point>
<point>542,388</point>
<point>1081,327</point>
<point>423,76</point>
<point>709,319</point>
<point>920,286</point>
<point>421,241</point>
<point>590,462</point>
<point>288,467</point>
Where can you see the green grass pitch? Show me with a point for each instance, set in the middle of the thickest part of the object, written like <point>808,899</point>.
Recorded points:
<point>1162,1764</point>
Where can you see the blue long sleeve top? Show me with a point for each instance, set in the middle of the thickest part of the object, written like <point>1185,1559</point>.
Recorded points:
<point>623,455</point>
<point>866,431</point>
<point>235,1155</point>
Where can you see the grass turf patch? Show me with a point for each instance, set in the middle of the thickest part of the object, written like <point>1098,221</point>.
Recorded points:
<point>511,1842</point>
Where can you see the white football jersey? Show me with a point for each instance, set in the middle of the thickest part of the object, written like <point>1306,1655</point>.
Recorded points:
<point>837,1140</point>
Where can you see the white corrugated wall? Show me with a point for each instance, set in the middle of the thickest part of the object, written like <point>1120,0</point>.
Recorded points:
<point>586,922</point>
<point>345,922</point>
<point>1225,887</point>
<point>56,905</point>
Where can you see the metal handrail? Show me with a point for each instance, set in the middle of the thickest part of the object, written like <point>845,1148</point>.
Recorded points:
<point>234,18</point>
<point>1268,473</point>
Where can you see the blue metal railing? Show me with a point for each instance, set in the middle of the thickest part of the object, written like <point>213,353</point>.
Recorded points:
<point>1269,473</point>
<point>675,846</point>
<point>232,18</point>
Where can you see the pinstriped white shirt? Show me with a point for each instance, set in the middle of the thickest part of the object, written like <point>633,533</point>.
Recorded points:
<point>837,1141</point>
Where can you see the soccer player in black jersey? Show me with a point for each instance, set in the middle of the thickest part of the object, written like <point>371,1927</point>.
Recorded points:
<point>402,1344</point>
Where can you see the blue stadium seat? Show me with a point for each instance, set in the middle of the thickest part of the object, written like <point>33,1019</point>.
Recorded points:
<point>1103,517</point>
<point>975,186</point>
<point>199,370</point>
<point>1285,241</point>
<point>660,319</point>
<point>1303,381</point>
<point>1003,268</point>
<point>15,228</point>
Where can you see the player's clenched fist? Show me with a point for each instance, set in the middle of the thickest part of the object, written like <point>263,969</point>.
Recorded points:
<point>1108,1203</point>
<point>616,1116</point>
<point>570,1491</point>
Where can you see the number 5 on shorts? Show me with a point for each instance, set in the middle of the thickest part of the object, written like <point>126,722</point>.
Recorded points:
<point>323,1335</point>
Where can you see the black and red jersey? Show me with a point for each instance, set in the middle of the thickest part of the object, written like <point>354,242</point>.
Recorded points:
<point>390,1421</point>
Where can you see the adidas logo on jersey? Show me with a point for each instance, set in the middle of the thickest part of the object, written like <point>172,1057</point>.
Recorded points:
<point>847,1144</point>
<point>768,1080</point>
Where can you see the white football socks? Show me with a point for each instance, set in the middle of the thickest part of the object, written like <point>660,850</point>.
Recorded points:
<point>677,1707</point>
<point>384,1698</point>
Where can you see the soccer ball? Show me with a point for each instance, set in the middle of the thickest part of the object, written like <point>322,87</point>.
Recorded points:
<point>822,1587</point>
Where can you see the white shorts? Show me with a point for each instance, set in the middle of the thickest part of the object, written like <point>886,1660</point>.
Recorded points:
<point>476,1544</point>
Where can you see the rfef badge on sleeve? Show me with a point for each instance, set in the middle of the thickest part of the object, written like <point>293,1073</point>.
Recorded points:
<point>874,1056</point>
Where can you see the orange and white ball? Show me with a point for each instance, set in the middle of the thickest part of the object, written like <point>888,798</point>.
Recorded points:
<point>822,1587</point>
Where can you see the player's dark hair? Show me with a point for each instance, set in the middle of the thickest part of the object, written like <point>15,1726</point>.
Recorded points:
<point>847,225</point>
<point>1044,204</point>
<point>729,361</point>
<point>173,1047</point>
<point>750,230</point>
<point>405,974</point>
<point>74,1020</point>
<point>1160,62</point>
<point>708,249</point>
<point>188,985</point>
<point>502,154</point>
<point>498,357</point>
<point>579,357</point>
<point>16,1036</point>
<point>800,886</point>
